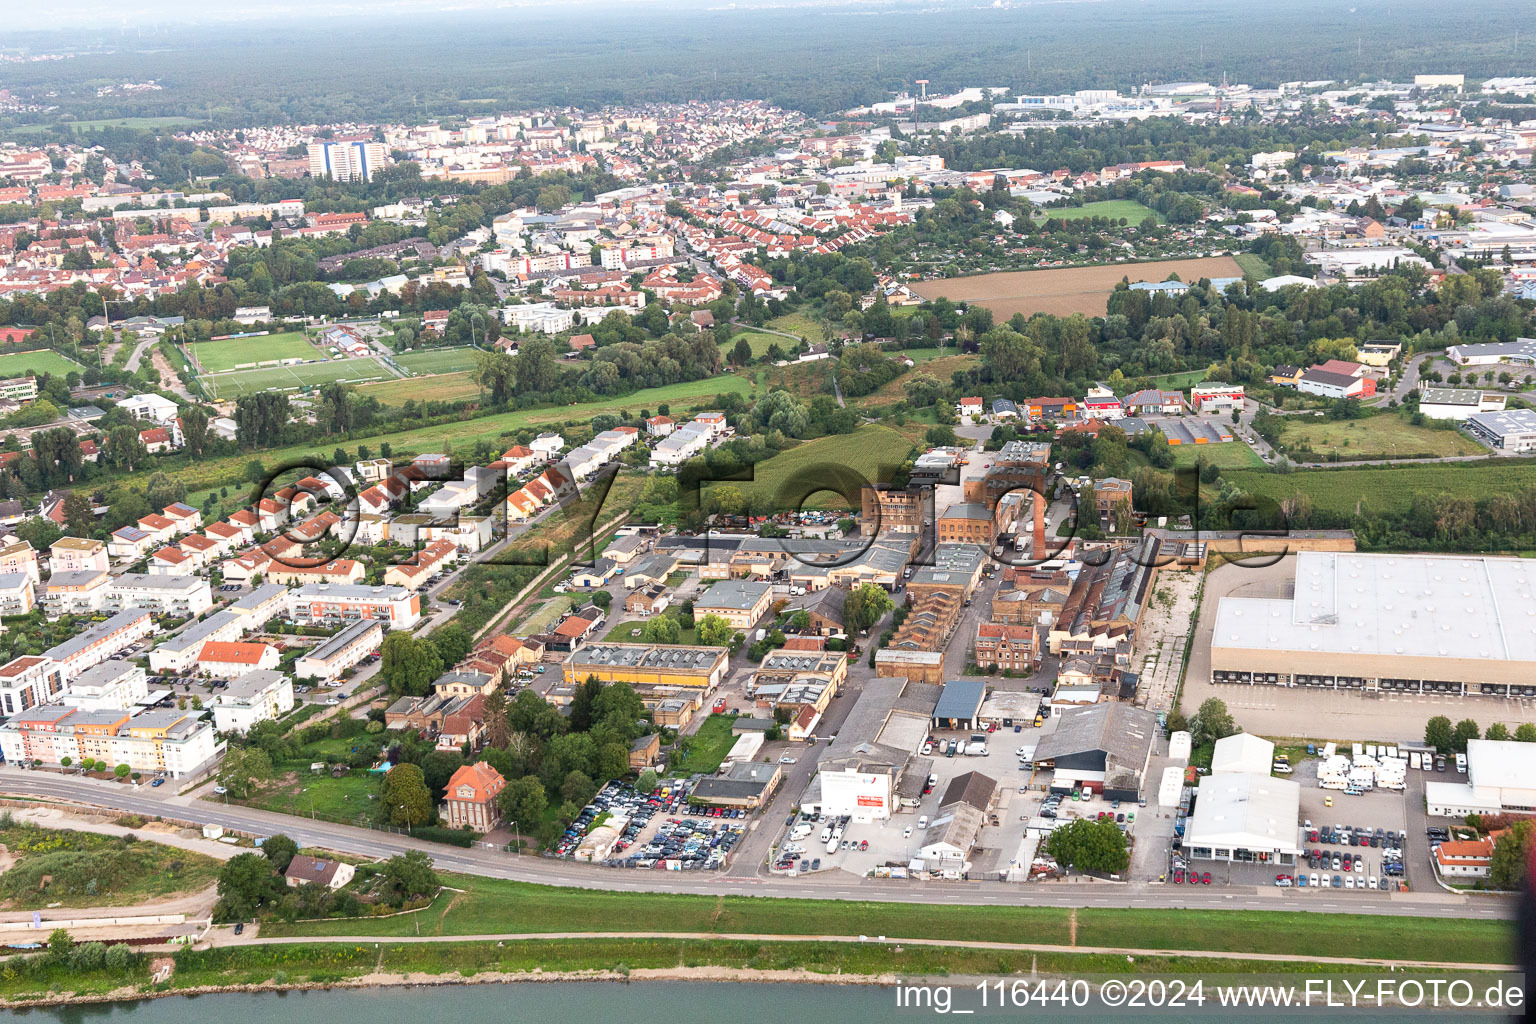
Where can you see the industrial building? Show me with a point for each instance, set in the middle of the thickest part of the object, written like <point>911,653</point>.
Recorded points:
<point>648,667</point>
<point>1454,624</point>
<point>1501,776</point>
<point>1521,350</point>
<point>1458,403</point>
<point>1513,430</point>
<point>1244,816</point>
<point>1104,748</point>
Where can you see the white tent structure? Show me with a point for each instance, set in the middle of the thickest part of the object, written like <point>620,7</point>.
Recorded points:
<point>1243,752</point>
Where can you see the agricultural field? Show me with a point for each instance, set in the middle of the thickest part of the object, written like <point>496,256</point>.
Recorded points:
<point>44,360</point>
<point>226,386</point>
<point>1066,291</point>
<point>1133,212</point>
<point>1385,434</point>
<point>1389,488</point>
<point>861,456</point>
<point>441,387</point>
<point>216,356</point>
<point>438,360</point>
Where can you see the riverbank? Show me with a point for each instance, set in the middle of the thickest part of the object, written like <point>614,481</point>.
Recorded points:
<point>363,965</point>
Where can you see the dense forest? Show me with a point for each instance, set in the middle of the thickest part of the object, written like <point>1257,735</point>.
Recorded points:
<point>415,69</point>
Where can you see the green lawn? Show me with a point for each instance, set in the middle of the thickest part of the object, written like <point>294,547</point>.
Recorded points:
<point>107,122</point>
<point>760,342</point>
<point>1178,381</point>
<point>803,324</point>
<point>1385,434</point>
<point>294,378</point>
<point>1254,265</point>
<point>707,748</point>
<point>45,360</point>
<point>1389,488</point>
<point>843,461</point>
<point>439,387</point>
<point>252,352</point>
<point>439,360</point>
<point>349,798</point>
<point>1228,455</point>
<point>1130,209</point>
<point>493,905</point>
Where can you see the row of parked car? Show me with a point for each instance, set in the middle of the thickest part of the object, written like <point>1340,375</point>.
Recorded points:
<point>689,845</point>
<point>1350,835</point>
<point>620,799</point>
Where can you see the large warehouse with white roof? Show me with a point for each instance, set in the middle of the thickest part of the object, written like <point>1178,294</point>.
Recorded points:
<point>1453,624</point>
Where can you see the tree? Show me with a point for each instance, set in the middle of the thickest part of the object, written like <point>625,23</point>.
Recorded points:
<point>741,353</point>
<point>407,876</point>
<point>1084,845</point>
<point>1466,729</point>
<point>713,631</point>
<point>496,372</point>
<point>1437,734</point>
<point>244,768</point>
<point>407,800</point>
<point>122,771</point>
<point>865,605</point>
<point>39,532</point>
<point>1510,856</point>
<point>661,629</point>
<point>79,517</point>
<point>1497,731</point>
<point>279,849</point>
<point>1212,722</point>
<point>118,957</point>
<point>247,883</point>
<point>59,945</point>
<point>408,664</point>
<point>523,801</point>
<point>646,782</point>
<point>452,644</point>
<point>1525,732</point>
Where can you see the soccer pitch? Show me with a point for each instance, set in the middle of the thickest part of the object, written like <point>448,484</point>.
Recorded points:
<point>440,360</point>
<point>293,378</point>
<point>46,360</point>
<point>217,356</point>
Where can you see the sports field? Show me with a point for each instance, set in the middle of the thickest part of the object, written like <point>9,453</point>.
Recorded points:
<point>438,360</point>
<point>229,353</point>
<point>293,378</point>
<point>1069,290</point>
<point>43,360</point>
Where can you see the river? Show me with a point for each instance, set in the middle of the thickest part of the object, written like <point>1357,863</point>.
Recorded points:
<point>670,1002</point>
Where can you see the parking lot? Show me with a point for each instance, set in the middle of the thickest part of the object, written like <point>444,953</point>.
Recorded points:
<point>864,848</point>
<point>627,829</point>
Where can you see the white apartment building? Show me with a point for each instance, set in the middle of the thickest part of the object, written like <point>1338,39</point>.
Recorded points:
<point>330,604</point>
<point>28,681</point>
<point>254,697</point>
<point>111,686</point>
<point>346,160</point>
<point>181,596</point>
<point>345,650</point>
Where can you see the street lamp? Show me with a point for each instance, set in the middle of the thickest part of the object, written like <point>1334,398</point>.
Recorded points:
<point>311,802</point>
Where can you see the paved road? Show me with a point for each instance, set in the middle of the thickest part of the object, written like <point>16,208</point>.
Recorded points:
<point>835,885</point>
